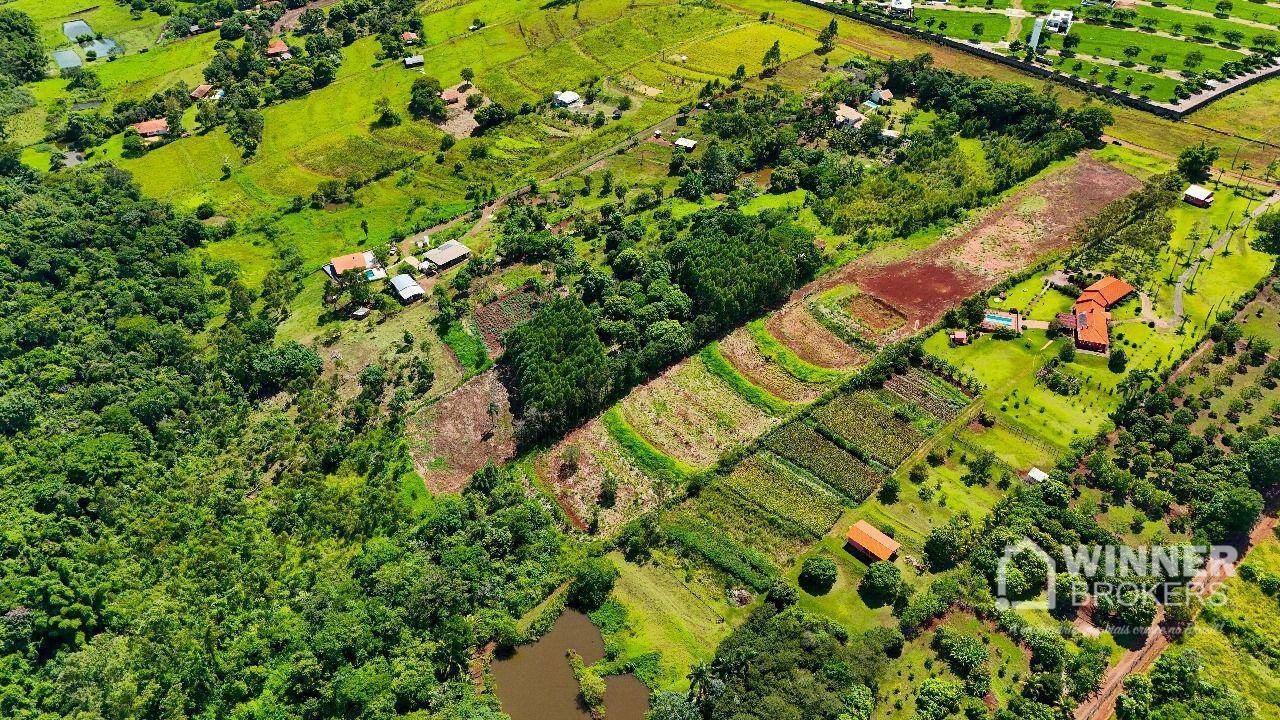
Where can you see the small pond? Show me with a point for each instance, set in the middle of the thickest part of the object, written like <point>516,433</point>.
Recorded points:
<point>535,681</point>
<point>67,58</point>
<point>75,29</point>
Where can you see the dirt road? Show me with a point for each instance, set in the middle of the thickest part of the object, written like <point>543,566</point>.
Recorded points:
<point>1103,705</point>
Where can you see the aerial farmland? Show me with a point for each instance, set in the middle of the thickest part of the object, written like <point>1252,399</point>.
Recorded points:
<point>639,359</point>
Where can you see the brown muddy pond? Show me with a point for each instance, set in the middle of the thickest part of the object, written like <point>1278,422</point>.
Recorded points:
<point>535,681</point>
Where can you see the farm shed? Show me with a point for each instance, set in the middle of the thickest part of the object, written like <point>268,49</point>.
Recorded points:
<point>869,542</point>
<point>685,143</point>
<point>447,255</point>
<point>1198,196</point>
<point>407,289</point>
<point>1035,474</point>
<point>414,61</point>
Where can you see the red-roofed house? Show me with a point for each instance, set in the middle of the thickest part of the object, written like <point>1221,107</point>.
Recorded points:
<point>409,38</point>
<point>152,128</point>
<point>277,49</point>
<point>1090,314</point>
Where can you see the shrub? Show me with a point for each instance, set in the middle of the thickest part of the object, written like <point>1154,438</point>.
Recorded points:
<point>818,574</point>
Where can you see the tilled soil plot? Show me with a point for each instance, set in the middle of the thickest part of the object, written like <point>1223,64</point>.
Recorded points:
<point>456,436</point>
<point>1028,224</point>
<point>794,327</point>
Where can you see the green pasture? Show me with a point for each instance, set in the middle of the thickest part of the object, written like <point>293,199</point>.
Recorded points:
<point>721,55</point>
<point>959,24</point>
<point>672,611</point>
<point>1253,112</point>
<point>113,20</point>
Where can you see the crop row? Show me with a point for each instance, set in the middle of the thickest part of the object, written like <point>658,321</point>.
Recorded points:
<point>720,551</point>
<point>929,392</point>
<point>799,443</point>
<point>779,490</point>
<point>883,432</point>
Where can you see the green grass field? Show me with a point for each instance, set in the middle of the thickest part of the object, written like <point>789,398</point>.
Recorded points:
<point>674,612</point>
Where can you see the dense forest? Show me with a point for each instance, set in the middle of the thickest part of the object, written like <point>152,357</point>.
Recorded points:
<point>717,269</point>
<point>196,526</point>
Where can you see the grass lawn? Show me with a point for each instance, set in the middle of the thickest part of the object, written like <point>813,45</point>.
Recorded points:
<point>1130,79</point>
<point>674,612</point>
<point>843,603</point>
<point>960,24</point>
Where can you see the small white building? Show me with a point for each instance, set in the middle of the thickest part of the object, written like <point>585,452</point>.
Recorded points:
<point>849,117</point>
<point>890,134</point>
<point>567,99</point>
<point>414,61</point>
<point>446,256</point>
<point>902,8</point>
<point>1198,196</point>
<point>1036,475</point>
<point>407,289</point>
<point>685,143</point>
<point>1059,21</point>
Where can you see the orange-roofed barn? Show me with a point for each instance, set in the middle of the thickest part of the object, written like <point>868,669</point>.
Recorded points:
<point>869,542</point>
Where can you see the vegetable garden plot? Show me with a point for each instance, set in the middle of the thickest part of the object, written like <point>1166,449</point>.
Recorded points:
<point>783,492</point>
<point>499,316</point>
<point>707,541</point>
<point>740,350</point>
<point>582,465</point>
<point>691,415</point>
<point>929,392</point>
<point>873,427</point>
<point>849,476</point>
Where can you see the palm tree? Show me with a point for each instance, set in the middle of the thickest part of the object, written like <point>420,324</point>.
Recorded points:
<point>699,678</point>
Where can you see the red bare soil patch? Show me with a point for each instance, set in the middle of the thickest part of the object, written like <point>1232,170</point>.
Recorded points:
<point>794,327</point>
<point>873,313</point>
<point>455,437</point>
<point>740,350</point>
<point>1035,220</point>
<point>922,290</point>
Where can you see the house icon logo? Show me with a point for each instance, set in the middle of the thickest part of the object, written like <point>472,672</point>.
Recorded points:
<point>1008,561</point>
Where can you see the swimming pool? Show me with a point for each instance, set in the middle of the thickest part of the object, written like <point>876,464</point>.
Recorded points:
<point>1000,320</point>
